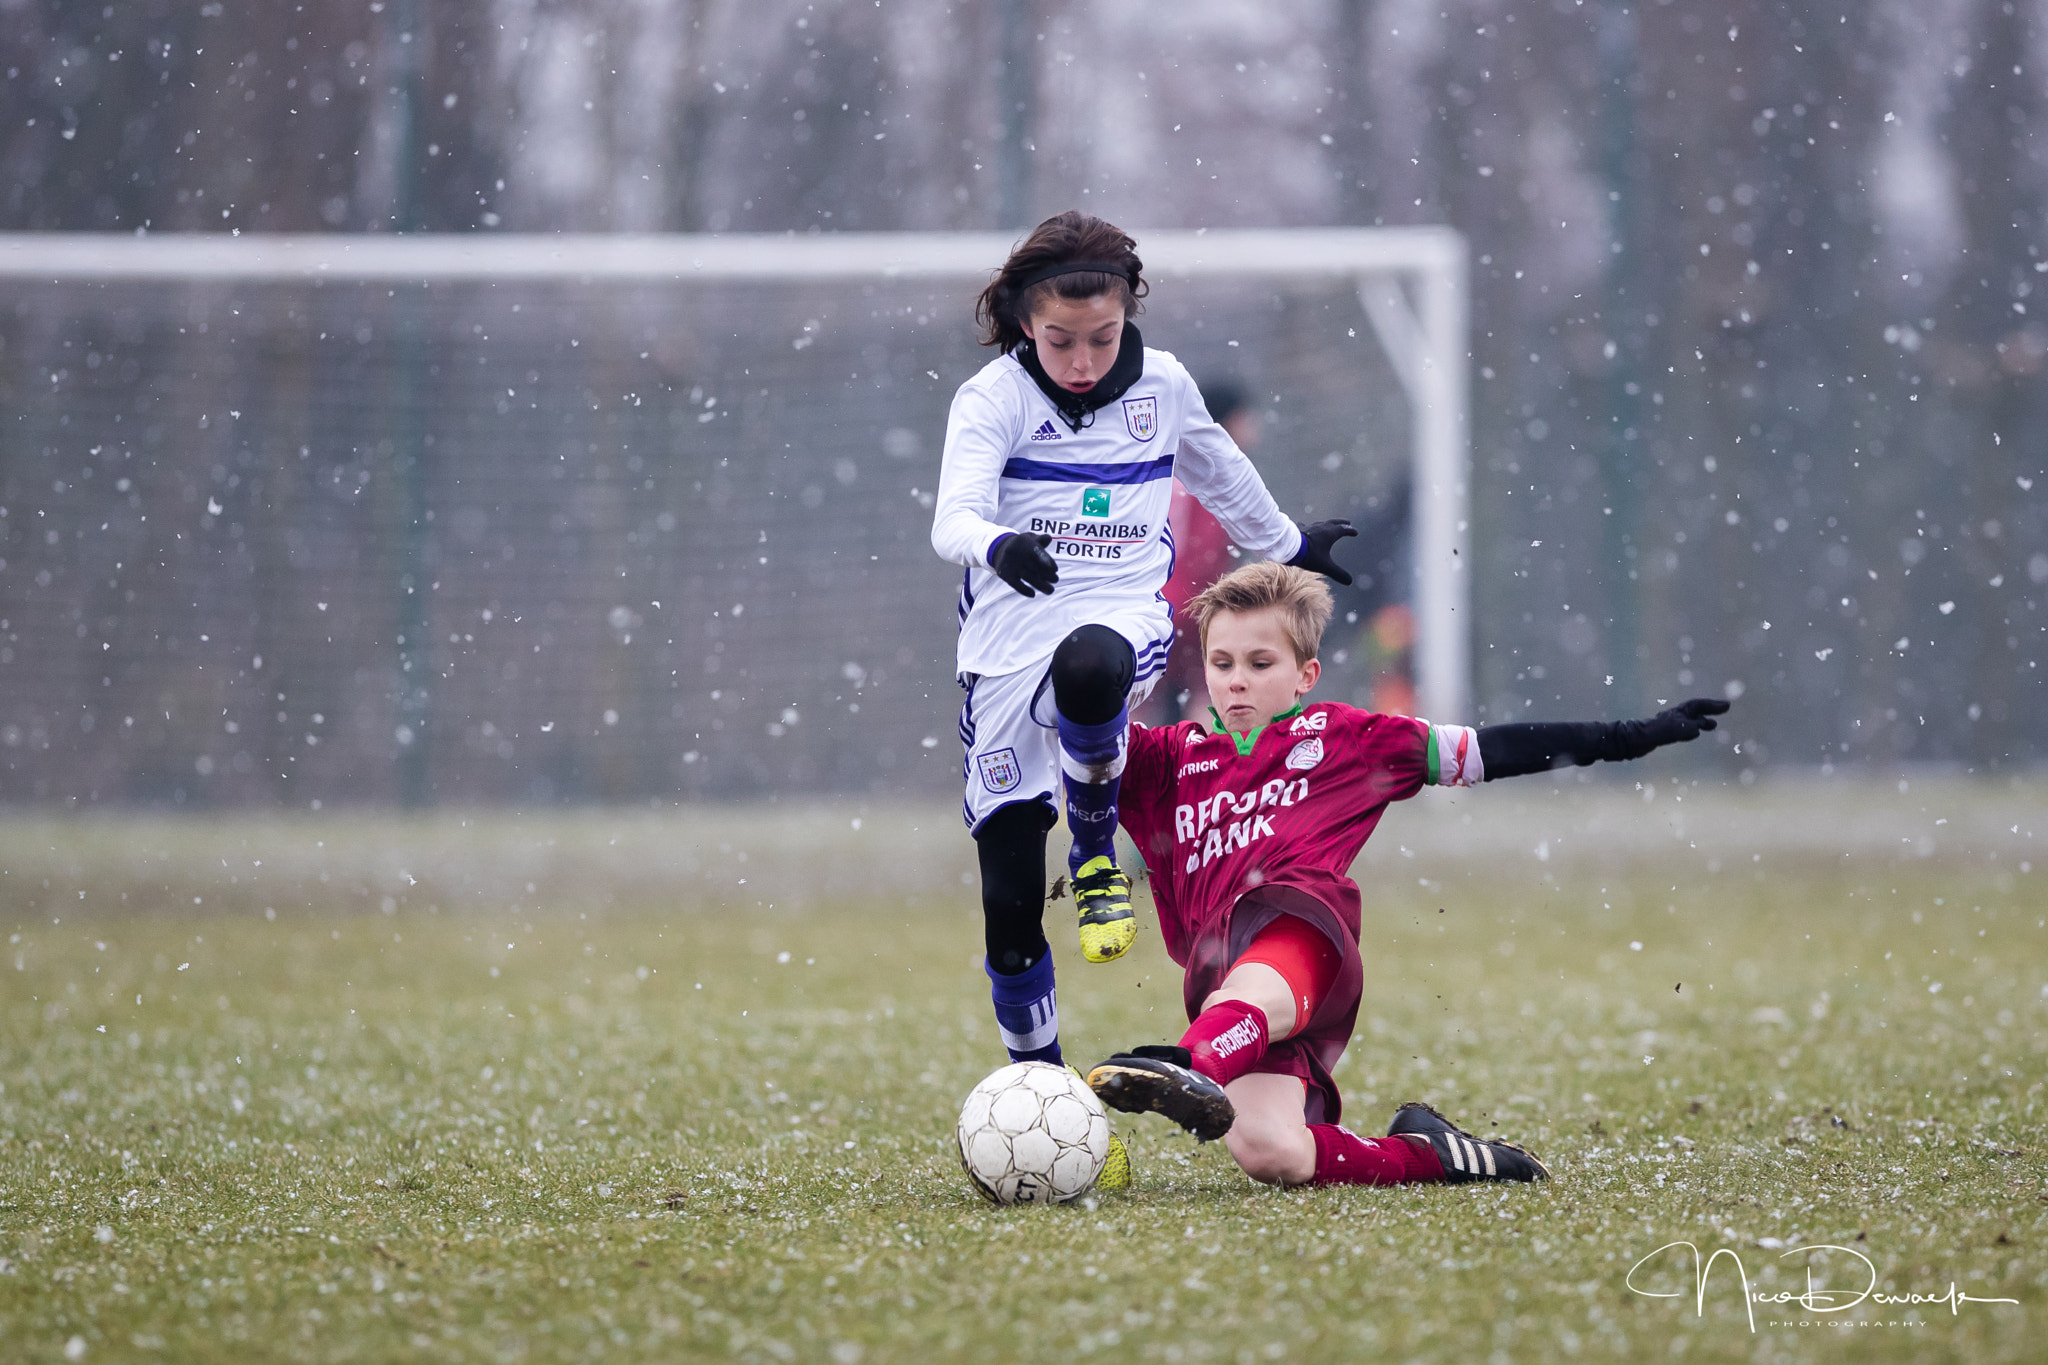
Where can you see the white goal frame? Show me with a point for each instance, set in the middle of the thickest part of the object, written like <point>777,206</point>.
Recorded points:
<point>1411,283</point>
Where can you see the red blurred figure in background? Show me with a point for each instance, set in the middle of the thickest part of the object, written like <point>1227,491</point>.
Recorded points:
<point>1384,639</point>
<point>1388,647</point>
<point>1201,555</point>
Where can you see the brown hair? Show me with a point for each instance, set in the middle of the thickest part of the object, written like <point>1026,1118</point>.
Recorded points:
<point>1302,598</point>
<point>1008,302</point>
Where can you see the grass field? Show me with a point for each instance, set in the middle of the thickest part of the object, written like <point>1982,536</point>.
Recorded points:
<point>564,1088</point>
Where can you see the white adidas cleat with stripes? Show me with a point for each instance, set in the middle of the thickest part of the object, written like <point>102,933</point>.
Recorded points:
<point>1465,1157</point>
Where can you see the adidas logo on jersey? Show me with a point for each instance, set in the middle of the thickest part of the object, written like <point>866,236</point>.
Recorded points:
<point>1046,432</point>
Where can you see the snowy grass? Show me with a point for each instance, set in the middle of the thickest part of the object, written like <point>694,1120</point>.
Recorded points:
<point>609,1123</point>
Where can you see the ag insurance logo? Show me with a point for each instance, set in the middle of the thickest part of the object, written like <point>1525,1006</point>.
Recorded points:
<point>1810,1307</point>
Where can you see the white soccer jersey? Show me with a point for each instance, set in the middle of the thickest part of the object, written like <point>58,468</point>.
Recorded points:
<point>1102,493</point>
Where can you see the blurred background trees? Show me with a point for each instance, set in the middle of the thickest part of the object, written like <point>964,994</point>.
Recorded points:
<point>1757,367</point>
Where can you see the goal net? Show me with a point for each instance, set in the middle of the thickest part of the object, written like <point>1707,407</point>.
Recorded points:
<point>527,519</point>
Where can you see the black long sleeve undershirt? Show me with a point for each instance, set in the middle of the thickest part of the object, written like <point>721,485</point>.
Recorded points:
<point>1537,747</point>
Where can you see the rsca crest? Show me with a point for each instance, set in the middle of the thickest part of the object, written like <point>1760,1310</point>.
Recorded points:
<point>1000,771</point>
<point>1141,416</point>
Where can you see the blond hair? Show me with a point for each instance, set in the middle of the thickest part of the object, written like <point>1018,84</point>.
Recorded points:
<point>1301,597</point>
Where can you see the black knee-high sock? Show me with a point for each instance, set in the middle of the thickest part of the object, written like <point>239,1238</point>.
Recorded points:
<point>1011,848</point>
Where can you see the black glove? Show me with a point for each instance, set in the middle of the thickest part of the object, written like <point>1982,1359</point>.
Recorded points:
<point>1020,560</point>
<point>1316,539</point>
<point>1525,747</point>
<point>1681,723</point>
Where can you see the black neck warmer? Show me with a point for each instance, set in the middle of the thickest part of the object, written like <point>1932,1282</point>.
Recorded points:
<point>1078,409</point>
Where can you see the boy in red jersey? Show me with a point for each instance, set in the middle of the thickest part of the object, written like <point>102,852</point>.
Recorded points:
<point>1250,831</point>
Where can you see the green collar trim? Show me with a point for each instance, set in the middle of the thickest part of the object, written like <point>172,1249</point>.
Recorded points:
<point>1245,743</point>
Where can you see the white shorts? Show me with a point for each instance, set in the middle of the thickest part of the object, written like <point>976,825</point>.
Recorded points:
<point>1011,732</point>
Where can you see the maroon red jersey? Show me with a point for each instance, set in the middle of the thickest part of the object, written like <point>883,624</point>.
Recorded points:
<point>1215,819</point>
<point>1235,834</point>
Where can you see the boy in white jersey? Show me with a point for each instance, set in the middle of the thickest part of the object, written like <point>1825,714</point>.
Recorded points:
<point>1057,477</point>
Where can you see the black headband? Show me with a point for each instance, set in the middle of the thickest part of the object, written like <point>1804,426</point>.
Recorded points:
<point>1048,272</point>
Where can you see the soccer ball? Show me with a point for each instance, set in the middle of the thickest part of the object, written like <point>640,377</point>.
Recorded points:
<point>1033,1133</point>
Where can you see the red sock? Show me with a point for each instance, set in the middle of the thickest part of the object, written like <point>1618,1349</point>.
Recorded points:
<point>1227,1040</point>
<point>1344,1158</point>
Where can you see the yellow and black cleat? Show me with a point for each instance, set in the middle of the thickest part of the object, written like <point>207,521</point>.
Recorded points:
<point>1115,1176</point>
<point>1116,1172</point>
<point>1102,897</point>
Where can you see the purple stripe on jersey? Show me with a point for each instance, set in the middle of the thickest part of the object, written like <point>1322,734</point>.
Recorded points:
<point>1142,471</point>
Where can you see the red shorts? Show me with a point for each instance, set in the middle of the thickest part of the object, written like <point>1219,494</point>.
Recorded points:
<point>1305,958</point>
<point>1324,1027</point>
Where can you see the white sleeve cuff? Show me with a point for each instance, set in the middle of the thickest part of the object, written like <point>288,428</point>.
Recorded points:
<point>1454,756</point>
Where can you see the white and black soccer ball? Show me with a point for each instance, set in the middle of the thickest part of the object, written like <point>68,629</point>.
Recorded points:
<point>1033,1133</point>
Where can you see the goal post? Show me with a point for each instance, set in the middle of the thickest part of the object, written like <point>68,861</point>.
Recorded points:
<point>498,517</point>
<point>1411,285</point>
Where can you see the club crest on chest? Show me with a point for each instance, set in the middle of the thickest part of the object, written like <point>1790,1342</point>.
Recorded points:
<point>1141,418</point>
<point>1306,754</point>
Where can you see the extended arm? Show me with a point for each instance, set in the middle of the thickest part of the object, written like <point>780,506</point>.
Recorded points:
<point>1223,480</point>
<point>1513,750</point>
